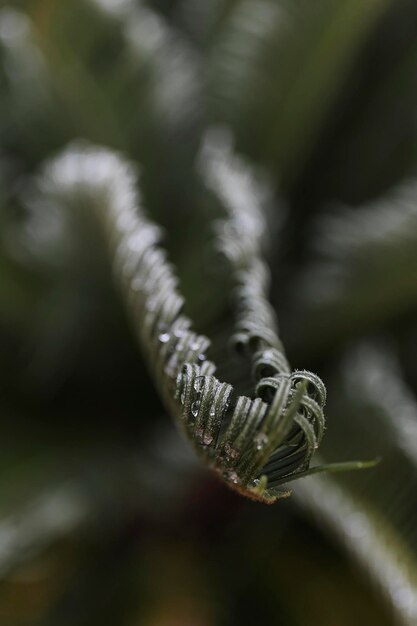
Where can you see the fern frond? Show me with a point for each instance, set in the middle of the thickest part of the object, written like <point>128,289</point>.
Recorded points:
<point>254,444</point>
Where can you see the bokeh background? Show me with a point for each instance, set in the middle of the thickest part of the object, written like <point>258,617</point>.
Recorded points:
<point>106,517</point>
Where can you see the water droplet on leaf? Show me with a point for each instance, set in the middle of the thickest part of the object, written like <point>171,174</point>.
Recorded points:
<point>260,441</point>
<point>231,452</point>
<point>199,383</point>
<point>233,477</point>
<point>195,407</point>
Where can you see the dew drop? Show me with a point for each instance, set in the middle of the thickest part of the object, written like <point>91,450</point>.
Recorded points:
<point>260,441</point>
<point>201,357</point>
<point>231,452</point>
<point>194,345</point>
<point>207,439</point>
<point>199,383</point>
<point>164,337</point>
<point>213,411</point>
<point>233,477</point>
<point>195,407</point>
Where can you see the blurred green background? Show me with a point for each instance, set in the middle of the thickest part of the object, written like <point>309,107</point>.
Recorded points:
<point>106,518</point>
